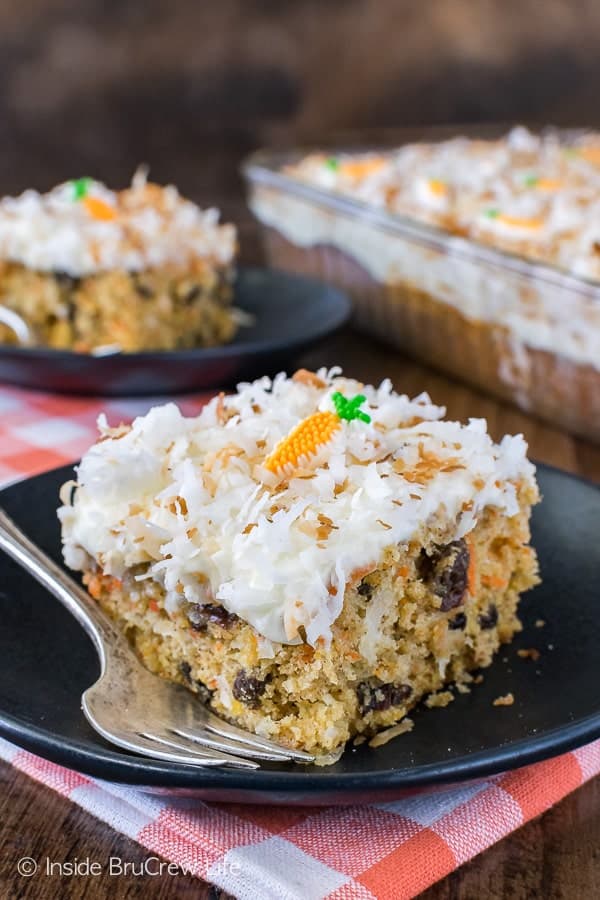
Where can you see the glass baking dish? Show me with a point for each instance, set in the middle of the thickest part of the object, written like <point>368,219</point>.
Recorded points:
<point>524,331</point>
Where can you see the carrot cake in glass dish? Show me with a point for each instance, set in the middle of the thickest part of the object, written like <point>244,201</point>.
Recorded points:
<point>92,270</point>
<point>311,555</point>
<point>536,196</point>
<point>479,257</point>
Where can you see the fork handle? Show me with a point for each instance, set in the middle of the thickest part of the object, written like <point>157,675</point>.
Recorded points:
<point>20,548</point>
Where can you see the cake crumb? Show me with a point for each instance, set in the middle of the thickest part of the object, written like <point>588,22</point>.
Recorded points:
<point>463,688</point>
<point>359,739</point>
<point>328,759</point>
<point>478,679</point>
<point>530,653</point>
<point>506,700</point>
<point>539,623</point>
<point>383,737</point>
<point>441,698</point>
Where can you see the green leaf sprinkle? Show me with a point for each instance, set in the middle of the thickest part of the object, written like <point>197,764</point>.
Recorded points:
<point>332,163</point>
<point>492,213</point>
<point>80,187</point>
<point>349,409</point>
<point>531,180</point>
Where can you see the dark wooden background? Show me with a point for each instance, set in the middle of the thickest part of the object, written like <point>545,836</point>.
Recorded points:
<point>96,86</point>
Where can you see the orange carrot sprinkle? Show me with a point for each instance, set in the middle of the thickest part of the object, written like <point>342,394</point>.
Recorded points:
<point>360,168</point>
<point>437,187</point>
<point>590,154</point>
<point>548,184</point>
<point>98,209</point>
<point>303,441</point>
<point>518,222</point>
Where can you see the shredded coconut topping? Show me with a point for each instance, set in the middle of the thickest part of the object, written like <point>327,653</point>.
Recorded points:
<point>190,501</point>
<point>81,228</point>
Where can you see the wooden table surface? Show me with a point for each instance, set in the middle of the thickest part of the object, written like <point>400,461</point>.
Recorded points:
<point>556,856</point>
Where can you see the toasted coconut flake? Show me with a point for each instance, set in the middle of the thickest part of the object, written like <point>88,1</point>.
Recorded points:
<point>311,379</point>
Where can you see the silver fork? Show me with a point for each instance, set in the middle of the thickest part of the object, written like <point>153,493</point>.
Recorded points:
<point>128,705</point>
<point>17,325</point>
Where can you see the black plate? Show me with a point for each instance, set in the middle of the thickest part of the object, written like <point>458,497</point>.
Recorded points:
<point>46,661</point>
<point>290,313</point>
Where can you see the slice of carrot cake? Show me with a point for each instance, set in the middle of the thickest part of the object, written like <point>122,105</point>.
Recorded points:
<point>311,555</point>
<point>89,269</point>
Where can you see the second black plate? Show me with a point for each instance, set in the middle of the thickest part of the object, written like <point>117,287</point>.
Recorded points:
<point>289,312</point>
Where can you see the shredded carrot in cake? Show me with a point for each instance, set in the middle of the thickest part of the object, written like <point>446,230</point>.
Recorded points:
<point>307,653</point>
<point>494,581</point>
<point>358,574</point>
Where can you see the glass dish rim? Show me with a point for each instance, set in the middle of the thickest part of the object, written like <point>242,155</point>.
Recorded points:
<point>264,167</point>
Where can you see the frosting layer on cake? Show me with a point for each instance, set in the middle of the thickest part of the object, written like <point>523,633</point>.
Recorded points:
<point>268,504</point>
<point>81,228</point>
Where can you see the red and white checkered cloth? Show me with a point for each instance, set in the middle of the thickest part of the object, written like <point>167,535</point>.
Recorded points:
<point>387,850</point>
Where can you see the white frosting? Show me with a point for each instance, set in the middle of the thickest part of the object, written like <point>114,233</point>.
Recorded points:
<point>191,498</point>
<point>528,194</point>
<point>152,227</point>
